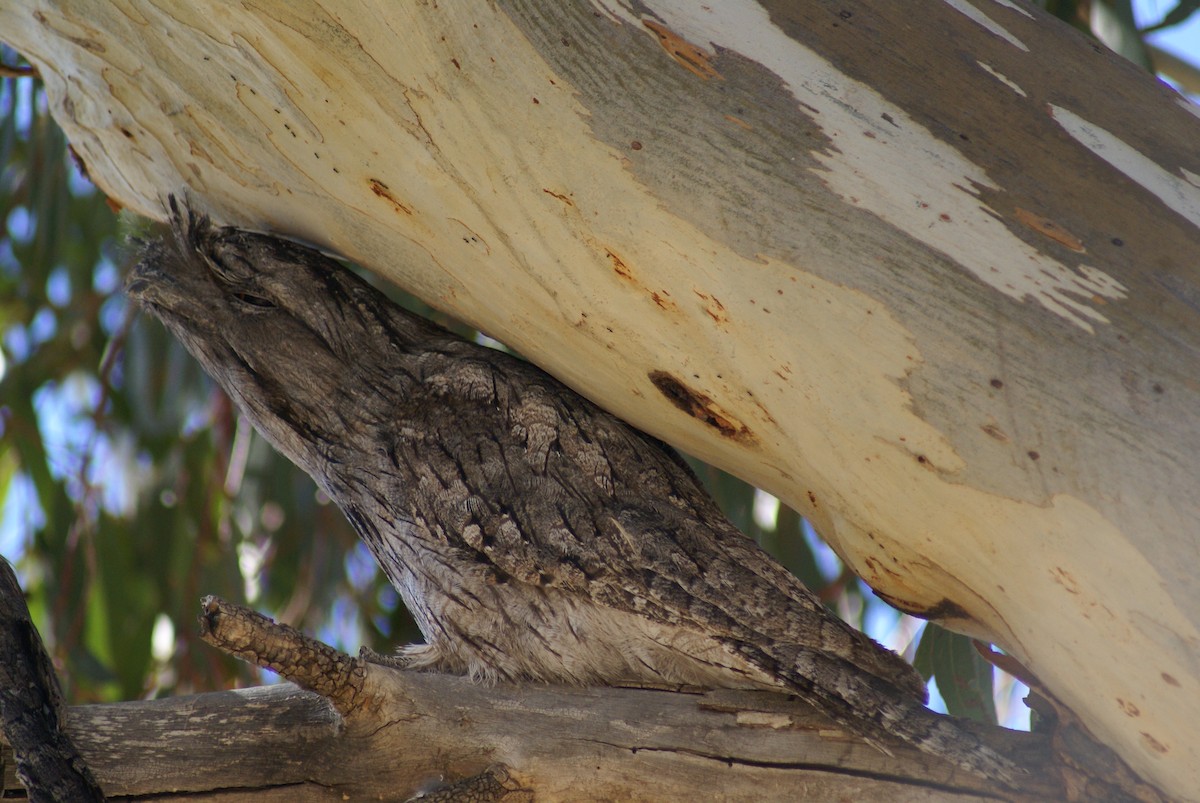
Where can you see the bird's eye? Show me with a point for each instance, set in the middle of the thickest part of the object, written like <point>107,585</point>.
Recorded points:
<point>254,301</point>
<point>236,276</point>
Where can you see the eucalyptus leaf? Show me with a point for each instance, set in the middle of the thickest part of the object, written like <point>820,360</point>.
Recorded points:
<point>963,678</point>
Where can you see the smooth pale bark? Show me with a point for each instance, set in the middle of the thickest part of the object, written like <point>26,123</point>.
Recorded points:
<point>927,272</point>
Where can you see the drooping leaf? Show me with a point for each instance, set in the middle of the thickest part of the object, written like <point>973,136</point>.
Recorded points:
<point>1180,14</point>
<point>1113,24</point>
<point>963,678</point>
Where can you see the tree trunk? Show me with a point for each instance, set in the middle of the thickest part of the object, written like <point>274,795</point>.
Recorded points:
<point>929,277</point>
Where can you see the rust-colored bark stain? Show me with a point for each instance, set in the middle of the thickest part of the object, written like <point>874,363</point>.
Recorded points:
<point>619,266</point>
<point>559,196</point>
<point>1129,709</point>
<point>1047,227</point>
<point>660,297</point>
<point>699,406</point>
<point>693,59</point>
<point>713,307</point>
<point>765,412</point>
<point>663,299</point>
<point>1064,579</point>
<point>739,122</point>
<point>382,190</point>
<point>1155,744</point>
<point>878,569</point>
<point>994,431</point>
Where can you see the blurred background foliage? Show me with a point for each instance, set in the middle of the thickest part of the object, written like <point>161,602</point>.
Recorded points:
<point>131,488</point>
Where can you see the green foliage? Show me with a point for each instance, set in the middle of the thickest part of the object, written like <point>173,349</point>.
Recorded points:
<point>1178,15</point>
<point>963,677</point>
<point>1113,23</point>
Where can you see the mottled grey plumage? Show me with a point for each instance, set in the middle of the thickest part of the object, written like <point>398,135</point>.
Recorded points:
<point>531,534</point>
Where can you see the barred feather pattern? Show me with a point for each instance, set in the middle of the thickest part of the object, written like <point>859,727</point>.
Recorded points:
<point>532,535</point>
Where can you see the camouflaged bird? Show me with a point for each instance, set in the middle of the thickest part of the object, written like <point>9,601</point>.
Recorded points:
<point>532,535</point>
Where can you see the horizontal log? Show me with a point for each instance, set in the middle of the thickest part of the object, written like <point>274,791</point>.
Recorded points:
<point>563,743</point>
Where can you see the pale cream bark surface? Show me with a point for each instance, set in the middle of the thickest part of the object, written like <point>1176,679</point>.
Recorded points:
<point>930,278</point>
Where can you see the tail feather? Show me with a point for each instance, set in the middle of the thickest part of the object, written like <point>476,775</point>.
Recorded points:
<point>875,709</point>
